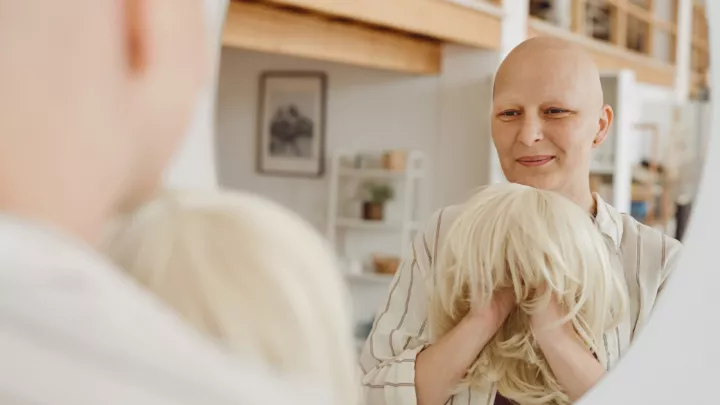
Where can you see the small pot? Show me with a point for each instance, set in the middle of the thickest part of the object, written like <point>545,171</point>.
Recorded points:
<point>394,160</point>
<point>373,211</point>
<point>386,264</point>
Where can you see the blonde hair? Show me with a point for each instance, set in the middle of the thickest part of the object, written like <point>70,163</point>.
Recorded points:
<point>514,236</point>
<point>248,273</point>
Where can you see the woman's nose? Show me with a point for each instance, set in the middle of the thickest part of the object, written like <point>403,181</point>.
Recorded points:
<point>531,131</point>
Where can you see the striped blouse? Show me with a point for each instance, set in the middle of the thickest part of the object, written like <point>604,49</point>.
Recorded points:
<point>645,255</point>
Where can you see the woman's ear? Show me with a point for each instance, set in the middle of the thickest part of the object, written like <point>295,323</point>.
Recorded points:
<point>604,122</point>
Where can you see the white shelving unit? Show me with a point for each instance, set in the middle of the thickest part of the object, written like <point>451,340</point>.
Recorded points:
<point>356,239</point>
<point>344,204</point>
<point>370,278</point>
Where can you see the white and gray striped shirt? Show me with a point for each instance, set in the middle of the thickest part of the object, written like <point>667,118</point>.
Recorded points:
<point>645,255</point>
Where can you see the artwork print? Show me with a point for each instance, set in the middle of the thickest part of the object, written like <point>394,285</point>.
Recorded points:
<point>291,135</point>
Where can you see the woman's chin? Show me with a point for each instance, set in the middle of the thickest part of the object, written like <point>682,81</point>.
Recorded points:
<point>542,182</point>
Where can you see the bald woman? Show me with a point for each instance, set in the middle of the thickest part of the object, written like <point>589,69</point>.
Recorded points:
<point>548,115</point>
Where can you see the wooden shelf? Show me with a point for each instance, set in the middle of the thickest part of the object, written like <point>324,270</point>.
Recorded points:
<point>264,27</point>
<point>375,173</point>
<point>444,20</point>
<point>370,277</point>
<point>359,223</point>
<point>611,57</point>
<point>699,50</point>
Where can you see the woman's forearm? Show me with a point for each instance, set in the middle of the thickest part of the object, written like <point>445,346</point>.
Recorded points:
<point>441,366</point>
<point>574,366</point>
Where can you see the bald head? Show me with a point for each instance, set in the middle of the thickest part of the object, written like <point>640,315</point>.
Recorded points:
<point>548,116</point>
<point>546,57</point>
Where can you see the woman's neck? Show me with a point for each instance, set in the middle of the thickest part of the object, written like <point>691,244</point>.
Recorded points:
<point>584,199</point>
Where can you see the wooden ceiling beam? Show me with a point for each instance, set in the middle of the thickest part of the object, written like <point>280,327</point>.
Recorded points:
<point>265,28</point>
<point>449,22</point>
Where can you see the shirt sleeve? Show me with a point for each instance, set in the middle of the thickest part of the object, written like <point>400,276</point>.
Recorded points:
<point>400,330</point>
<point>657,258</point>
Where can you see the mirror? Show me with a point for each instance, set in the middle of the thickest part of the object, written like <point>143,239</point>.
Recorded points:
<point>379,128</point>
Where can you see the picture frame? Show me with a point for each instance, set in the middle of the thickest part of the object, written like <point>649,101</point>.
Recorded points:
<point>291,123</point>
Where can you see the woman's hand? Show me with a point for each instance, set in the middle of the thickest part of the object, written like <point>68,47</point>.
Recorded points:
<point>440,367</point>
<point>574,366</point>
<point>492,316</point>
<point>545,324</point>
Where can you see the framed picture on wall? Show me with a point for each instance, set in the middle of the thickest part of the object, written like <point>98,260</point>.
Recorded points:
<point>291,123</point>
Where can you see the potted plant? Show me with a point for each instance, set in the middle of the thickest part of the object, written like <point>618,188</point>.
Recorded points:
<point>377,194</point>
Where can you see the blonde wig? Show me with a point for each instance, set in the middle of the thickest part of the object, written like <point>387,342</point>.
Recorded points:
<point>248,273</point>
<point>539,244</point>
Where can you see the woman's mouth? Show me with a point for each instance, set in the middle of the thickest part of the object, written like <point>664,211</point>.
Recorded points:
<point>537,160</point>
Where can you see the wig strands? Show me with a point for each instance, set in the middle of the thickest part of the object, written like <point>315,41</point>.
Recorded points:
<point>248,273</point>
<point>539,244</point>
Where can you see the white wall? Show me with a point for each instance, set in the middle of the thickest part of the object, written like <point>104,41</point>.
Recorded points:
<point>444,116</point>
<point>365,110</point>
<point>464,148</point>
<point>194,165</point>
<point>655,106</point>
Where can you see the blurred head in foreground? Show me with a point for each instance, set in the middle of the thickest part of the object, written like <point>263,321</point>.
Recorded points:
<point>540,245</point>
<point>96,96</point>
<point>247,273</point>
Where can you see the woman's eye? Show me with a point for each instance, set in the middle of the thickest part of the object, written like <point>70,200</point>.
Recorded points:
<point>509,113</point>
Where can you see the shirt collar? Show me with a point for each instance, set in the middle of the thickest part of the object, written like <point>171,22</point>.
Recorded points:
<point>608,220</point>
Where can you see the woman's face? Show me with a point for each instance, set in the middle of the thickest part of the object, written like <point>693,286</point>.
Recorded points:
<point>544,126</point>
